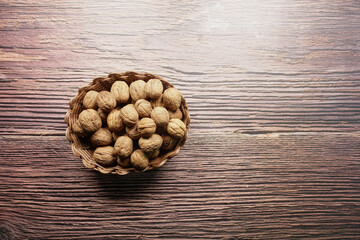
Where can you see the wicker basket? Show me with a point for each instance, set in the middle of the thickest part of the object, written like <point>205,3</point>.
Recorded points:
<point>81,149</point>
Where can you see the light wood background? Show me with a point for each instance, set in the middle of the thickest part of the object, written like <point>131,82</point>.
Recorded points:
<point>273,89</point>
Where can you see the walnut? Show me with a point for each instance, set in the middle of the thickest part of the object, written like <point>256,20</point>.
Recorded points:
<point>154,88</point>
<point>90,120</point>
<point>89,100</point>
<point>102,115</point>
<point>137,90</point>
<point>114,121</point>
<point>158,102</point>
<point>133,132</point>
<point>124,146</point>
<point>176,128</point>
<point>101,137</point>
<point>146,127</point>
<point>106,101</point>
<point>175,114</point>
<point>124,162</point>
<point>129,115</point>
<point>139,160</point>
<point>150,144</point>
<point>154,154</point>
<point>120,90</point>
<point>105,155</point>
<point>160,116</point>
<point>168,142</point>
<point>172,98</point>
<point>78,130</point>
<point>143,108</point>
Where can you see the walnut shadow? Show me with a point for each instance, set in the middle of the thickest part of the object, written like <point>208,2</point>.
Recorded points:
<point>115,186</point>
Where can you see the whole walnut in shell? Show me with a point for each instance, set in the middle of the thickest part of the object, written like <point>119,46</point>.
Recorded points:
<point>146,127</point>
<point>90,120</point>
<point>124,146</point>
<point>176,128</point>
<point>139,160</point>
<point>132,132</point>
<point>101,137</point>
<point>114,121</point>
<point>168,142</point>
<point>105,155</point>
<point>154,154</point>
<point>154,88</point>
<point>129,115</point>
<point>78,129</point>
<point>137,90</point>
<point>120,90</point>
<point>150,144</point>
<point>172,98</point>
<point>143,108</point>
<point>160,116</point>
<point>89,100</point>
<point>106,101</point>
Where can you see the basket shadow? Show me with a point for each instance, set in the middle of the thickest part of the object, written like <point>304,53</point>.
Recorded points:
<point>126,186</point>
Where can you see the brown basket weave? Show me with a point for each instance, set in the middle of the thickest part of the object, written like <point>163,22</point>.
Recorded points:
<point>80,149</point>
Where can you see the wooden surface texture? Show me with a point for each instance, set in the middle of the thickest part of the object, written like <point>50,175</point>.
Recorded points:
<point>273,89</point>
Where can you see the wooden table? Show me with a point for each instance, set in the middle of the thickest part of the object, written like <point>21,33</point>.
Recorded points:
<point>273,89</point>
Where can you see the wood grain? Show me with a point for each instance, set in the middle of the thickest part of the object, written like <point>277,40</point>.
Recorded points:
<point>273,90</point>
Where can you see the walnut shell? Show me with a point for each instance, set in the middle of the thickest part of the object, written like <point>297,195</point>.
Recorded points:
<point>150,144</point>
<point>143,108</point>
<point>132,132</point>
<point>146,127</point>
<point>172,98</point>
<point>78,130</point>
<point>175,114</point>
<point>129,115</point>
<point>137,90</point>
<point>89,100</point>
<point>105,155</point>
<point>160,116</point>
<point>106,101</point>
<point>154,88</point>
<point>114,121</point>
<point>124,146</point>
<point>90,120</point>
<point>139,160</point>
<point>120,90</point>
<point>168,142</point>
<point>124,162</point>
<point>101,137</point>
<point>176,128</point>
<point>158,102</point>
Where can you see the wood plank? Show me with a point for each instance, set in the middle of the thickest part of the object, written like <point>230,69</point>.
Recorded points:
<point>237,185</point>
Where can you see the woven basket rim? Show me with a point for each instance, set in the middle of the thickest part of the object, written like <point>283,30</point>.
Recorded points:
<point>104,83</point>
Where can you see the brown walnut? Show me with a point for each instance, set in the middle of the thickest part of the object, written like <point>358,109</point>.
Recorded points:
<point>143,108</point>
<point>137,90</point>
<point>175,114</point>
<point>120,90</point>
<point>176,128</point>
<point>154,88</point>
<point>114,121</point>
<point>106,101</point>
<point>132,132</point>
<point>89,100</point>
<point>124,146</point>
<point>168,142</point>
<point>129,115</point>
<point>101,137</point>
<point>160,116</point>
<point>172,98</point>
<point>139,160</point>
<point>150,144</point>
<point>146,127</point>
<point>105,155</point>
<point>90,120</point>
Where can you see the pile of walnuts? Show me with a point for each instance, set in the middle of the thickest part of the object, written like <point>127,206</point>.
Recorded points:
<point>131,124</point>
